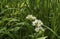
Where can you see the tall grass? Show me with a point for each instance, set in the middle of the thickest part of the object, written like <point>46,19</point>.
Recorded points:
<point>46,10</point>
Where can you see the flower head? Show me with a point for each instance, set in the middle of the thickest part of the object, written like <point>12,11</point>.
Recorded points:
<point>37,23</point>
<point>30,17</point>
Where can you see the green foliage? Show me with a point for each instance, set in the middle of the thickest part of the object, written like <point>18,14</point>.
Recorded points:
<point>13,24</point>
<point>42,38</point>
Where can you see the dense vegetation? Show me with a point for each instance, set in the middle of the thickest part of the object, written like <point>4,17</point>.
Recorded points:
<point>13,22</point>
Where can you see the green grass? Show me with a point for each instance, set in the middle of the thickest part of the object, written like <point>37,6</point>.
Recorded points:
<point>46,10</point>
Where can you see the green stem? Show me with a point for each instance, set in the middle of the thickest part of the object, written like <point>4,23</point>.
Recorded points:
<point>51,31</point>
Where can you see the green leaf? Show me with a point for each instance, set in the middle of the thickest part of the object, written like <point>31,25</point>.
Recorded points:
<point>15,29</point>
<point>2,29</point>
<point>42,37</point>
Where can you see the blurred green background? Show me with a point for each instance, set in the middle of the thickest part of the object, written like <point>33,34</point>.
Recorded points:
<point>46,10</point>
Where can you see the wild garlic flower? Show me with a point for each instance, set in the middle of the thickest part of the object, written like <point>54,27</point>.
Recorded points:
<point>30,17</point>
<point>37,23</point>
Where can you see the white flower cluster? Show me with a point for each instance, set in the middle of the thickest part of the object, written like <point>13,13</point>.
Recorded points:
<point>30,17</point>
<point>37,23</point>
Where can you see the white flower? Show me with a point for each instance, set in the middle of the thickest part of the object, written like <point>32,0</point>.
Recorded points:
<point>30,17</point>
<point>37,29</point>
<point>37,23</point>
